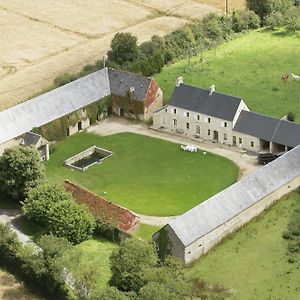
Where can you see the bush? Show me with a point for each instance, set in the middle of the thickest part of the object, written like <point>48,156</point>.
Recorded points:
<point>129,262</point>
<point>72,221</point>
<point>20,170</point>
<point>243,20</point>
<point>51,206</point>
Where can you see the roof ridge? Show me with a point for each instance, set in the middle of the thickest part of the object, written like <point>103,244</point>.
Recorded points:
<point>215,92</point>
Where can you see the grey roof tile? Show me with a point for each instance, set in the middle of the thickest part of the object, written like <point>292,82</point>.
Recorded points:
<point>268,128</point>
<point>198,100</point>
<point>122,81</point>
<point>45,108</point>
<point>225,205</point>
<point>31,138</point>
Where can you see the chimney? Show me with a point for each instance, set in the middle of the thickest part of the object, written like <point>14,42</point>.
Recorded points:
<point>179,80</point>
<point>132,89</point>
<point>212,89</point>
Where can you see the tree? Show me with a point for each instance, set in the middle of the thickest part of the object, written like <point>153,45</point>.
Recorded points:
<point>264,8</point>
<point>110,293</point>
<point>129,263</point>
<point>124,48</point>
<point>71,220</point>
<point>20,170</point>
<point>293,19</point>
<point>157,291</point>
<point>42,199</point>
<point>54,208</point>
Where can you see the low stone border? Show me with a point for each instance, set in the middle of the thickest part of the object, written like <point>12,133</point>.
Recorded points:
<point>94,149</point>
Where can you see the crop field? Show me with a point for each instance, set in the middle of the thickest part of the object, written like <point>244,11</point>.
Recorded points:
<point>40,40</point>
<point>146,175</point>
<point>253,262</point>
<point>249,66</point>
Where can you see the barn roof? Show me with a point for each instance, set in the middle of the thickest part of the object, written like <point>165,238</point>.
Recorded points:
<point>268,128</point>
<point>52,105</point>
<point>122,81</point>
<point>225,205</point>
<point>198,100</point>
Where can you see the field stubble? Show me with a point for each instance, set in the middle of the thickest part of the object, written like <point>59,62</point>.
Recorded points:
<point>43,39</point>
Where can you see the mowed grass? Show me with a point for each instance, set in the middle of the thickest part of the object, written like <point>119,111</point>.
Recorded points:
<point>249,66</point>
<point>147,175</point>
<point>253,261</point>
<point>146,231</point>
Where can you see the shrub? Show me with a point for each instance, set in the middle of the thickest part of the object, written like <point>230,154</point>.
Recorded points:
<point>20,170</point>
<point>129,262</point>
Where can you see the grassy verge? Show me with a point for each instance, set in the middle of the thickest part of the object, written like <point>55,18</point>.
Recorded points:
<point>254,260</point>
<point>146,231</point>
<point>251,67</point>
<point>146,175</point>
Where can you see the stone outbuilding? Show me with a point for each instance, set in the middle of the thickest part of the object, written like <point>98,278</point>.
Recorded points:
<point>134,96</point>
<point>37,141</point>
<point>195,232</point>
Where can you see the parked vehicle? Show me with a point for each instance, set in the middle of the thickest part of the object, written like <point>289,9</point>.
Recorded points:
<point>263,158</point>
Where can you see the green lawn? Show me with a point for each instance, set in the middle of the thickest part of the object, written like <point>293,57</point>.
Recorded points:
<point>146,231</point>
<point>253,261</point>
<point>249,66</point>
<point>144,174</point>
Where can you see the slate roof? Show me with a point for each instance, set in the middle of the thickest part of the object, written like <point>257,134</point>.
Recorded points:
<point>45,108</point>
<point>198,100</point>
<point>225,205</point>
<point>268,128</point>
<point>31,138</point>
<point>122,81</point>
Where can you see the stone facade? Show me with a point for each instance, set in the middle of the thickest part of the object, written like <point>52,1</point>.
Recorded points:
<point>196,125</point>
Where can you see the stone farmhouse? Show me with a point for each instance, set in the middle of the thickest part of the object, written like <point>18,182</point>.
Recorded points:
<point>126,90</point>
<point>195,232</point>
<point>134,96</point>
<point>208,115</point>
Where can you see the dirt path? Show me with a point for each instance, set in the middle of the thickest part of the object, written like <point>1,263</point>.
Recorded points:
<point>109,126</point>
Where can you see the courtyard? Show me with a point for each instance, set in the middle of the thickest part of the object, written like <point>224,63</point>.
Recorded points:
<point>146,175</point>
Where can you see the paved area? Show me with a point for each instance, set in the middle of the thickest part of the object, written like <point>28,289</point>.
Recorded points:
<point>247,163</point>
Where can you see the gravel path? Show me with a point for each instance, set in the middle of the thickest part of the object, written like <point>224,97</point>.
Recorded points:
<point>247,163</point>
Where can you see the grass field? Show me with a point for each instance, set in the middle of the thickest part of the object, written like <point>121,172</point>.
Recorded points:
<point>253,261</point>
<point>41,40</point>
<point>251,67</point>
<point>146,175</point>
<point>146,231</point>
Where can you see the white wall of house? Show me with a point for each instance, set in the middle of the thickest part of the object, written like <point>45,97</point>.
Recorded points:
<point>205,243</point>
<point>192,124</point>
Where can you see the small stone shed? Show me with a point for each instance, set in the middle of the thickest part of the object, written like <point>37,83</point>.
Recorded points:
<point>40,144</point>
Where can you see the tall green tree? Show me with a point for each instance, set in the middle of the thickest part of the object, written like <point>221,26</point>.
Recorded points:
<point>20,170</point>
<point>123,48</point>
<point>266,7</point>
<point>129,263</point>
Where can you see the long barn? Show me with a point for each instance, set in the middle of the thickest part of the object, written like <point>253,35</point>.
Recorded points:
<point>195,232</point>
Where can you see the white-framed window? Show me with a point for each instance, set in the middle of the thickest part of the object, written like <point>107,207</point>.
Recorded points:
<point>198,117</point>
<point>174,111</point>
<point>240,141</point>
<point>225,124</point>
<point>197,129</point>
<point>225,136</point>
<point>208,120</point>
<point>166,110</point>
<point>208,132</point>
<point>175,122</point>
<point>186,114</point>
<point>252,144</point>
<point>187,125</point>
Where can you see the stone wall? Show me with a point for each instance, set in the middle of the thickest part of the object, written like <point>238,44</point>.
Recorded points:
<point>205,243</point>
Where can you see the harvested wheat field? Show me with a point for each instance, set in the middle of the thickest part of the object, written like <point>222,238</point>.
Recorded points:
<point>40,40</point>
<point>10,289</point>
